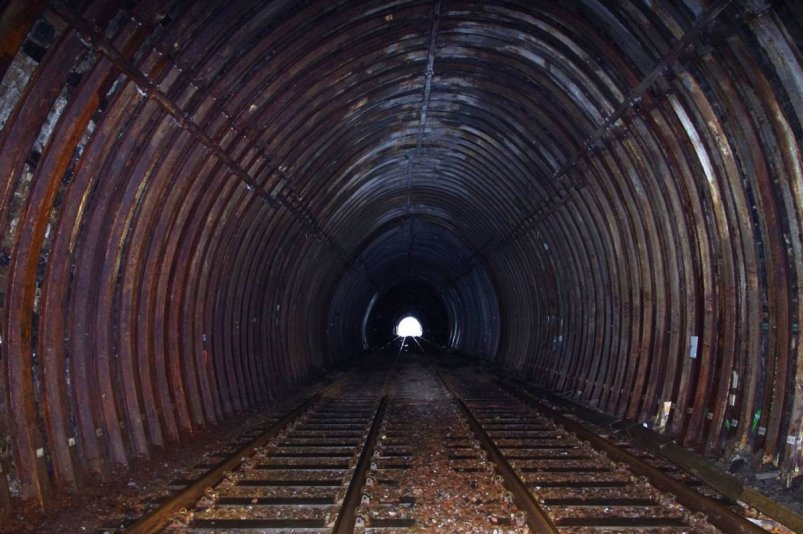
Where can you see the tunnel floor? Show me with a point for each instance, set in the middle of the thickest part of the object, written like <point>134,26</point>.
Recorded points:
<point>429,430</point>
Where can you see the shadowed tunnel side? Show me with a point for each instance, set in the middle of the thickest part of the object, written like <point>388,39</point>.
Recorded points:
<point>202,202</point>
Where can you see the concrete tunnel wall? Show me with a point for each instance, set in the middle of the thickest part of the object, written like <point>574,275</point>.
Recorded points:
<point>200,199</point>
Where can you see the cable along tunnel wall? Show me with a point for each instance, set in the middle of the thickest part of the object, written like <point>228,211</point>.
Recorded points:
<point>187,185</point>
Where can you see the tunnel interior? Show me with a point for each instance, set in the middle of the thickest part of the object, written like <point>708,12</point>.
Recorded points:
<point>410,299</point>
<point>205,203</point>
<point>413,266</point>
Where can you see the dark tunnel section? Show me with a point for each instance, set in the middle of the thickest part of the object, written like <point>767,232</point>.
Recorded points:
<point>411,298</point>
<point>414,263</point>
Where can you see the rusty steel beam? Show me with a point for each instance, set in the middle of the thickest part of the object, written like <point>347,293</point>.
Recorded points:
<point>590,145</point>
<point>16,21</point>
<point>426,94</point>
<point>660,69</point>
<point>102,45</point>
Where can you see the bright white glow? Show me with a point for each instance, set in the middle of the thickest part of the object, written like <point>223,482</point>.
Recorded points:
<point>409,327</point>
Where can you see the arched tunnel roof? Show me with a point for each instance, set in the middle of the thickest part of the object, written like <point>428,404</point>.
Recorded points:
<point>201,200</point>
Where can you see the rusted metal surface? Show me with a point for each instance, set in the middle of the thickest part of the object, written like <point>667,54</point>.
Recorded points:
<point>200,201</point>
<point>18,17</point>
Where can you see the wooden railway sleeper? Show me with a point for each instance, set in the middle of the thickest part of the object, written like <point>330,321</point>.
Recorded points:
<point>537,518</point>
<point>717,514</point>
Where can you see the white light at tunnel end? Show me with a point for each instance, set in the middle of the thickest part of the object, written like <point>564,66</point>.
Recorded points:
<point>409,327</point>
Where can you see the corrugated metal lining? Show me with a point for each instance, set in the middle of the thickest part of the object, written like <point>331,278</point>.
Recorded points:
<point>608,196</point>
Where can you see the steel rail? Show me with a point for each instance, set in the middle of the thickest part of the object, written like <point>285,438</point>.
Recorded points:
<point>717,515</point>
<point>660,445</point>
<point>157,518</point>
<point>537,518</point>
<point>347,516</point>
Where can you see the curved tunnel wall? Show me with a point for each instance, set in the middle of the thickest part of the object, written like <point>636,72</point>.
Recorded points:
<point>192,192</point>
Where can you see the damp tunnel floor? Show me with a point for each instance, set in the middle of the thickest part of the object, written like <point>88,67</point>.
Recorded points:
<point>440,434</point>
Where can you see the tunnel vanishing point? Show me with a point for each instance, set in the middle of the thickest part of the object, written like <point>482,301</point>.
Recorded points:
<point>204,203</point>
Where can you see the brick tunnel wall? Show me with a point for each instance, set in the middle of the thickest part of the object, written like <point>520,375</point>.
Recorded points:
<point>201,200</point>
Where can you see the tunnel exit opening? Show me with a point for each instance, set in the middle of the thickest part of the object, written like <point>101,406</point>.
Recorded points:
<point>409,327</point>
<point>391,315</point>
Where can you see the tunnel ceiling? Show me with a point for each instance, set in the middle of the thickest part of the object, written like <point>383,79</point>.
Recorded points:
<point>200,201</point>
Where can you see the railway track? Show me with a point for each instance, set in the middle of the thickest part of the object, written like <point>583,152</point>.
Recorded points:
<point>584,482</point>
<point>421,449</point>
<point>638,444</point>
